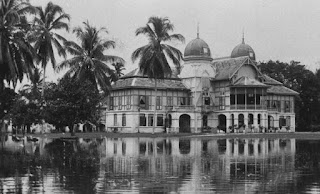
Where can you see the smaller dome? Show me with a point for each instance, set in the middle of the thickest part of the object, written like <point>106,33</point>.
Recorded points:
<point>197,49</point>
<point>242,50</point>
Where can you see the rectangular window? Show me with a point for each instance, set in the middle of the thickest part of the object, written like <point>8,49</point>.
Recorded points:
<point>111,103</point>
<point>149,102</point>
<point>182,101</point>
<point>159,120</point>
<point>150,119</point>
<point>128,102</point>
<point>159,103</point>
<point>169,101</point>
<point>250,96</point>
<point>120,103</point>
<point>115,120</point>
<point>206,100</point>
<point>142,119</point>
<point>232,99</point>
<point>287,106</point>
<point>221,103</point>
<point>124,122</point>
<point>142,102</point>
<point>282,121</point>
<point>288,120</point>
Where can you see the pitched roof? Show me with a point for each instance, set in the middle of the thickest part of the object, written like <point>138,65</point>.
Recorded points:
<point>226,67</point>
<point>137,73</point>
<point>271,81</point>
<point>135,79</point>
<point>248,82</point>
<point>281,90</point>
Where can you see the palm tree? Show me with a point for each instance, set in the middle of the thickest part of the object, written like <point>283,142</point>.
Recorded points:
<point>45,38</point>
<point>118,68</point>
<point>16,54</point>
<point>34,87</point>
<point>89,61</point>
<point>153,56</point>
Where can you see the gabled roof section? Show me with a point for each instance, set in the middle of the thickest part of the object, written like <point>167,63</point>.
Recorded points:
<point>281,90</point>
<point>227,67</point>
<point>248,82</point>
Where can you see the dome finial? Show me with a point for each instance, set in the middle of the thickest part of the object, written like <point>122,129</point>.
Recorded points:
<point>198,30</point>
<point>243,36</point>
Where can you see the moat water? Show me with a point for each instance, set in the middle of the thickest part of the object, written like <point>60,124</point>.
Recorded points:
<point>159,165</point>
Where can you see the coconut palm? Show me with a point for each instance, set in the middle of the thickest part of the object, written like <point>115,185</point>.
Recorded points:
<point>49,20</point>
<point>153,57</point>
<point>16,54</point>
<point>89,61</point>
<point>118,68</point>
<point>35,86</point>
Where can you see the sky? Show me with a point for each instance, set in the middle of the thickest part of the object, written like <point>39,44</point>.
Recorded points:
<point>282,30</point>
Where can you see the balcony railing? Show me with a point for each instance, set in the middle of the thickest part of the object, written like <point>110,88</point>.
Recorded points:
<point>181,107</point>
<point>247,107</point>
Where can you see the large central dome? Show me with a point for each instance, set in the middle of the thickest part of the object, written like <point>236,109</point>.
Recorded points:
<point>243,50</point>
<point>197,49</point>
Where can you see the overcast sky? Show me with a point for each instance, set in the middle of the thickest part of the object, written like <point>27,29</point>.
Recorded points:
<point>282,30</point>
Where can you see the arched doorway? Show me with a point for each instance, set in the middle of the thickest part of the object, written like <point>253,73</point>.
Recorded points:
<point>270,122</point>
<point>184,124</point>
<point>205,121</point>
<point>241,120</point>
<point>101,127</point>
<point>250,121</point>
<point>222,122</point>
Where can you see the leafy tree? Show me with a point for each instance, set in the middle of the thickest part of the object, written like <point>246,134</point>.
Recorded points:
<point>153,57</point>
<point>89,61</point>
<point>7,100</point>
<point>48,21</point>
<point>16,54</point>
<point>295,76</point>
<point>71,102</point>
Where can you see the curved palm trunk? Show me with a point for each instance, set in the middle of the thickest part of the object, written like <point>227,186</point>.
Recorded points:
<point>155,106</point>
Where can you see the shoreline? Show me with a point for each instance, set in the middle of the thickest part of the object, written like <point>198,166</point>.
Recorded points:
<point>296,135</point>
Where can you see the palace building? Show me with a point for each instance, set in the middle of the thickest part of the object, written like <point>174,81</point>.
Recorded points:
<point>227,94</point>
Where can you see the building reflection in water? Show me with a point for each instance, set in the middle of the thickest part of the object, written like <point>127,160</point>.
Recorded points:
<point>197,164</point>
<point>162,164</point>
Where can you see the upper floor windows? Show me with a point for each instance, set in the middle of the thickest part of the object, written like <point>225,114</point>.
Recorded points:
<point>183,101</point>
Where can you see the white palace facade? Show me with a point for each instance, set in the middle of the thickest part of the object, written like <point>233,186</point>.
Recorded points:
<point>227,94</point>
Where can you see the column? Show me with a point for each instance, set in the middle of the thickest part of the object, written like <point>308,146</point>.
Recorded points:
<point>175,123</point>
<point>276,121</point>
<point>246,147</point>
<point>255,122</point>
<point>236,148</point>
<point>228,122</point>
<point>293,123</point>
<point>236,120</point>
<point>256,147</point>
<point>246,119</point>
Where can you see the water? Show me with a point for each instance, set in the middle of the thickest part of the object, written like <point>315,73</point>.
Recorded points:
<point>159,165</point>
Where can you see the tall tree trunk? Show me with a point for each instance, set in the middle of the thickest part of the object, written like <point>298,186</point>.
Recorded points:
<point>155,106</point>
<point>43,81</point>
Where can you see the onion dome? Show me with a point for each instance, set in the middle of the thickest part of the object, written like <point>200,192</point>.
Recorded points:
<point>197,49</point>
<point>243,50</point>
